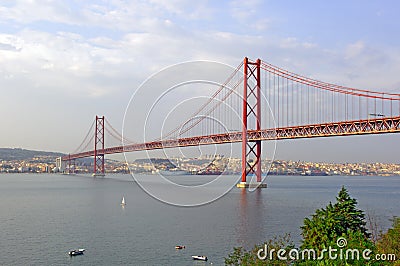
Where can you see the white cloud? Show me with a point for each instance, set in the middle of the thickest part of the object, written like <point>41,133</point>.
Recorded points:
<point>51,62</point>
<point>261,24</point>
<point>190,10</point>
<point>248,15</point>
<point>293,42</point>
<point>309,45</point>
<point>10,42</point>
<point>29,11</point>
<point>244,10</point>
<point>354,49</point>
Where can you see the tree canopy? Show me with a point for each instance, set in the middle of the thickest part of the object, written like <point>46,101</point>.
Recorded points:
<point>335,220</point>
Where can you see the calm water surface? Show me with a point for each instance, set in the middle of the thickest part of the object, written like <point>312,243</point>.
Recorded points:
<point>44,216</point>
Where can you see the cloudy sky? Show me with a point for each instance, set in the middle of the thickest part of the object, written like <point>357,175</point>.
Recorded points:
<point>63,62</point>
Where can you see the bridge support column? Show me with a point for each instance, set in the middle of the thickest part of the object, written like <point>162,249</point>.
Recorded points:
<point>98,166</point>
<point>251,150</point>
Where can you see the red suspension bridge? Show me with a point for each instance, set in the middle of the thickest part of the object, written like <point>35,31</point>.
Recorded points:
<point>273,103</point>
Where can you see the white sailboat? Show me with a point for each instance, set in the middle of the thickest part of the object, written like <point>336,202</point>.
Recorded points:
<point>123,201</point>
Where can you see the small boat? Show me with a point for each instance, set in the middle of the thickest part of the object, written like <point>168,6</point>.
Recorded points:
<point>179,247</point>
<point>76,252</point>
<point>203,258</point>
<point>123,201</point>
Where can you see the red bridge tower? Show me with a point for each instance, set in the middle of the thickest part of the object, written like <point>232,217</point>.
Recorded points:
<point>251,150</point>
<point>98,169</point>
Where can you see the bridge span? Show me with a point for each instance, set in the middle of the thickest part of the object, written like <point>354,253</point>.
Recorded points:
<point>294,107</point>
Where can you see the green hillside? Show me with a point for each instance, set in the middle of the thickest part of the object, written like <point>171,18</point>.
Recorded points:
<point>9,154</point>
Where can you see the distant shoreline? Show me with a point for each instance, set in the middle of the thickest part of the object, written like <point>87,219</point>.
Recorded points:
<point>28,161</point>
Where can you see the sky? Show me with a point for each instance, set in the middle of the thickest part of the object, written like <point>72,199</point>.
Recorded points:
<point>64,62</point>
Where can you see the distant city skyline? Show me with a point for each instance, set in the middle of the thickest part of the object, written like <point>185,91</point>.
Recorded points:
<point>64,62</point>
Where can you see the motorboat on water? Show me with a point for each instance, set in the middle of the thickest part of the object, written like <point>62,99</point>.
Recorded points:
<point>203,258</point>
<point>76,252</point>
<point>123,203</point>
<point>179,247</point>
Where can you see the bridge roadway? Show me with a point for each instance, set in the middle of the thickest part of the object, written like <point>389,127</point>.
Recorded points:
<point>345,128</point>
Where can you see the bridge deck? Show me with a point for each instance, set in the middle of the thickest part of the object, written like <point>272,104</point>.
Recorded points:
<point>345,128</point>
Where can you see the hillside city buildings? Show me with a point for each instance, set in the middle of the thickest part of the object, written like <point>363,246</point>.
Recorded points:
<point>205,165</point>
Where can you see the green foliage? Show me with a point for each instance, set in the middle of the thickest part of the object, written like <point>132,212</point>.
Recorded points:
<point>240,256</point>
<point>333,221</point>
<point>348,216</point>
<point>342,219</point>
<point>355,241</point>
<point>389,243</point>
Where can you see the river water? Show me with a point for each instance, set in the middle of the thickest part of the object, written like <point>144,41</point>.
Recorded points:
<point>42,217</point>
